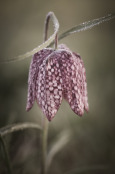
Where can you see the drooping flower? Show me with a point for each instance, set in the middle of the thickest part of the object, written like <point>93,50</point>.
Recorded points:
<point>57,74</point>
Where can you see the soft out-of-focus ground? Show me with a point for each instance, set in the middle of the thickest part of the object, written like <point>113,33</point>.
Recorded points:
<point>92,136</point>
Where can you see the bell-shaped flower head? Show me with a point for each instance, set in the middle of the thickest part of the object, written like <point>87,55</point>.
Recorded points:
<point>57,74</point>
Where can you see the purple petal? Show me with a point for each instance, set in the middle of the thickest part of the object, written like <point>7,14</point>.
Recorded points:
<point>74,81</point>
<point>37,60</point>
<point>49,94</point>
<point>82,80</point>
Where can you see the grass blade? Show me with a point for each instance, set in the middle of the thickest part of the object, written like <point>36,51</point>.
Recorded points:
<point>16,127</point>
<point>86,25</point>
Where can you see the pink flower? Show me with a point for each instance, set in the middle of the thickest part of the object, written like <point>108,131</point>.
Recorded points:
<point>57,74</point>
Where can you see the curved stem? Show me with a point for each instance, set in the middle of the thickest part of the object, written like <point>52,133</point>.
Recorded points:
<point>44,136</point>
<point>82,27</point>
<point>46,29</point>
<point>46,26</point>
<point>7,159</point>
<point>56,42</point>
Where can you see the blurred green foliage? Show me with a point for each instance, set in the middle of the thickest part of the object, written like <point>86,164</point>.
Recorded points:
<point>92,136</point>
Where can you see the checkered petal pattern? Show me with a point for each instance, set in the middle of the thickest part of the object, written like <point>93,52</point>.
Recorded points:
<point>36,62</point>
<point>57,74</point>
<point>49,93</point>
<point>74,81</point>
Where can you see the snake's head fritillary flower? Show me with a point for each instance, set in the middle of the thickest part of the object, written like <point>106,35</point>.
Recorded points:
<point>57,74</point>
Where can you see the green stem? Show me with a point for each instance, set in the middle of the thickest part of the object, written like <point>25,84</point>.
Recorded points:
<point>56,42</point>
<point>46,30</point>
<point>6,155</point>
<point>44,136</point>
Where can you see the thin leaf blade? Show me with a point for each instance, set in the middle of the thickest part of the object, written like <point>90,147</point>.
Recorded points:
<point>86,25</point>
<point>81,27</point>
<point>17,127</point>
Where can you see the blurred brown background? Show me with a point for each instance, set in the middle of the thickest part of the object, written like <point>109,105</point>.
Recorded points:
<point>92,139</point>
